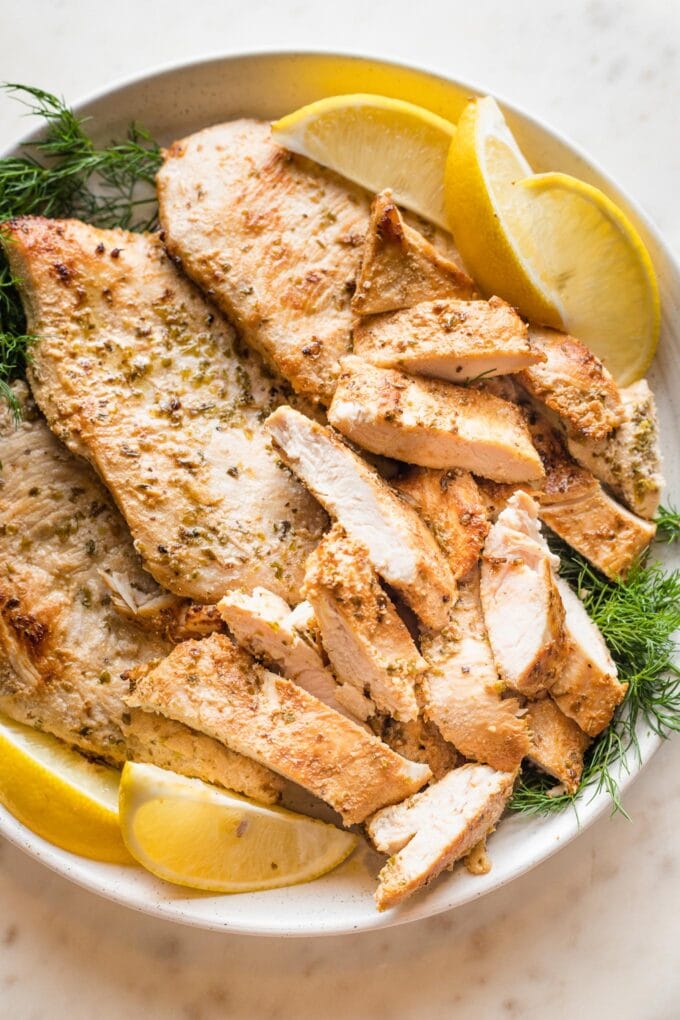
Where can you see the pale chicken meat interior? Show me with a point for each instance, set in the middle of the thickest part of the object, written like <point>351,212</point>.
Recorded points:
<point>366,640</point>
<point>290,349</point>
<point>448,338</point>
<point>523,611</point>
<point>432,423</point>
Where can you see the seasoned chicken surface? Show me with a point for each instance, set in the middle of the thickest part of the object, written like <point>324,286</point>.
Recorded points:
<point>452,506</point>
<point>575,506</point>
<point>400,267</point>
<point>417,740</point>
<point>574,384</point>
<point>150,737</point>
<point>557,743</point>
<point>136,372</point>
<point>274,239</point>
<point>369,646</point>
<point>399,545</point>
<point>284,639</point>
<point>448,339</point>
<point>462,691</point>
<point>629,461</point>
<point>219,690</point>
<point>522,607</point>
<point>66,635</point>
<point>432,423</point>
<point>433,829</point>
<point>587,688</point>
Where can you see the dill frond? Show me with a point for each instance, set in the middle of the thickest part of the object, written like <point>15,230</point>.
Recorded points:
<point>667,523</point>
<point>638,620</point>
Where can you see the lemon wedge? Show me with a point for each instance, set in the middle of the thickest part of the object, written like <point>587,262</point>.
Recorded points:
<point>555,247</point>
<point>595,264</point>
<point>60,795</point>
<point>486,211</point>
<point>377,142</point>
<point>193,834</point>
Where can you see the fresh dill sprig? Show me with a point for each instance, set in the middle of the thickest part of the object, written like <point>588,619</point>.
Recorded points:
<point>667,523</point>
<point>638,620</point>
<point>65,174</point>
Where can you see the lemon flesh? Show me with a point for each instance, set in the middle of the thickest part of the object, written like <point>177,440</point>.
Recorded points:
<point>193,834</point>
<point>377,142</point>
<point>486,208</point>
<point>598,269</point>
<point>60,795</point>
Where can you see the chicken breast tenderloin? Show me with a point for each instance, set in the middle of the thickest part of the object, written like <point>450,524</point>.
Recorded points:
<point>137,373</point>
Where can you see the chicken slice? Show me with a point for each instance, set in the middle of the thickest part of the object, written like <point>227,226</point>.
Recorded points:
<point>461,691</point>
<point>586,688</point>
<point>400,267</point>
<point>275,239</point>
<point>219,690</point>
<point>448,339</point>
<point>629,461</point>
<point>432,423</point>
<point>557,743</point>
<point>573,384</point>
<point>287,640</point>
<point>152,738</point>
<point>417,740</point>
<point>137,373</point>
<point>65,641</point>
<point>575,506</point>
<point>522,607</point>
<point>451,505</point>
<point>398,543</point>
<point>362,633</point>
<point>433,829</point>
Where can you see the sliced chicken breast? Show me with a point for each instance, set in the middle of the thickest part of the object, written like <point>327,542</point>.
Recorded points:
<point>362,633</point>
<point>557,743</point>
<point>576,507</point>
<point>587,688</point>
<point>462,693</point>
<point>219,690</point>
<point>150,737</point>
<point>448,339</point>
<point>451,505</point>
<point>287,640</point>
<point>400,267</point>
<point>137,373</point>
<point>522,607</point>
<point>432,423</point>
<point>574,385</point>
<point>66,637</point>
<point>417,740</point>
<point>433,829</point>
<point>274,239</point>
<point>629,461</point>
<point>399,545</point>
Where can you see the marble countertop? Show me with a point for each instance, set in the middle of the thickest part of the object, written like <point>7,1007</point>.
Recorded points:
<point>595,928</point>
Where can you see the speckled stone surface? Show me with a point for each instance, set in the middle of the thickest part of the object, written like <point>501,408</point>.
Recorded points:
<point>595,928</point>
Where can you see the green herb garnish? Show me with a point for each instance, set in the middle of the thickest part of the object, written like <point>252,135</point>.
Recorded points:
<point>638,620</point>
<point>667,524</point>
<point>66,174</point>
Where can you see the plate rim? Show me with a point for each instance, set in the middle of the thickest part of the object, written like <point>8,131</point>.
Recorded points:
<point>592,807</point>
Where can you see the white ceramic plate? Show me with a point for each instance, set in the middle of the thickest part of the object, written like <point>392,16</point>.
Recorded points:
<point>172,103</point>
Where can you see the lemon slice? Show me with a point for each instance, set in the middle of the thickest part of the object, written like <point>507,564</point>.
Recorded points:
<point>193,834</point>
<point>60,795</point>
<point>595,264</point>
<point>486,210</point>
<point>377,142</point>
